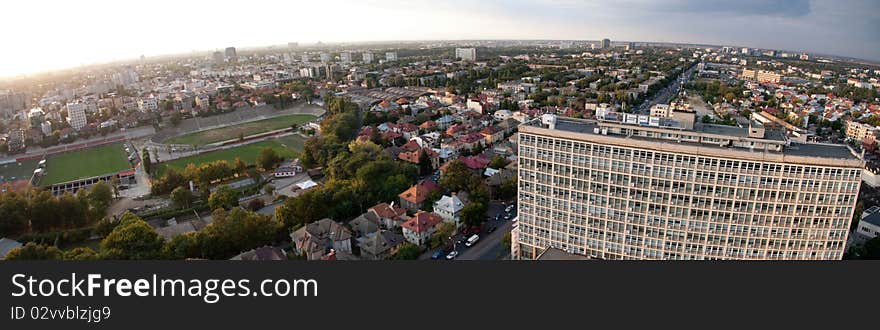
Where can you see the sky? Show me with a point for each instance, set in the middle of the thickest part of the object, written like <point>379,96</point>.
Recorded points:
<point>44,35</point>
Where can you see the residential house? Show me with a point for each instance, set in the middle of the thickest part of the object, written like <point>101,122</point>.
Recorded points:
<point>449,208</point>
<point>7,245</point>
<point>415,157</point>
<point>412,198</point>
<point>289,169</point>
<point>420,227</point>
<point>380,245</point>
<point>364,224</point>
<point>390,216</point>
<point>492,134</point>
<point>266,253</point>
<point>315,240</point>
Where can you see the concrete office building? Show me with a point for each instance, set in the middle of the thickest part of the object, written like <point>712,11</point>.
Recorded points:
<point>466,54</point>
<point>368,57</point>
<point>231,56</point>
<point>639,187</point>
<point>606,43</point>
<point>76,115</point>
<point>391,56</point>
<point>761,76</point>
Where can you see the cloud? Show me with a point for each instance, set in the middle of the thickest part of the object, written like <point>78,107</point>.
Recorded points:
<point>773,8</point>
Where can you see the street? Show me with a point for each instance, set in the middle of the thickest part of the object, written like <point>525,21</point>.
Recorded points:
<point>489,247</point>
<point>668,92</point>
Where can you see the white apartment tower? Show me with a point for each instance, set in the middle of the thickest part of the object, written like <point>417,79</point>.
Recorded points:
<point>76,115</point>
<point>466,54</point>
<point>640,187</point>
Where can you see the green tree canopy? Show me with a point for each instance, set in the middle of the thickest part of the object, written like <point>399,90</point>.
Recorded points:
<point>34,251</point>
<point>132,239</point>
<point>223,197</point>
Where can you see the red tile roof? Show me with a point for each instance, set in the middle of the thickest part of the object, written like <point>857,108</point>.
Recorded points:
<point>422,221</point>
<point>419,192</point>
<point>386,211</point>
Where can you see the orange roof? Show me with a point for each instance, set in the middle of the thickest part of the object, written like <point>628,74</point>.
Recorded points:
<point>386,211</point>
<point>419,192</point>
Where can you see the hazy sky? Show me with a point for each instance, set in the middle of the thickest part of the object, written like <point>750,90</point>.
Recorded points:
<point>41,35</point>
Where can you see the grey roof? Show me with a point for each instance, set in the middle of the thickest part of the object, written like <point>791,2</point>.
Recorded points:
<point>172,231</point>
<point>381,241</point>
<point>836,151</point>
<point>265,253</point>
<point>7,245</point>
<point>451,204</point>
<point>873,219</point>
<point>365,223</point>
<point>557,254</point>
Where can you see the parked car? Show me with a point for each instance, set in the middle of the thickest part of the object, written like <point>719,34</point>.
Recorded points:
<point>437,254</point>
<point>451,255</point>
<point>472,240</point>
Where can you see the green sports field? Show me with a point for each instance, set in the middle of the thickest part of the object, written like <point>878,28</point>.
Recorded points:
<point>18,171</point>
<point>85,163</point>
<point>246,129</point>
<point>287,147</point>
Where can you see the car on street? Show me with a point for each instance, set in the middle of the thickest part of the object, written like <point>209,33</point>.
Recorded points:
<point>451,255</point>
<point>472,240</point>
<point>437,254</point>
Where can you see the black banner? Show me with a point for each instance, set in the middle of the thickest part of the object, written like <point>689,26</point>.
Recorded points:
<point>129,295</point>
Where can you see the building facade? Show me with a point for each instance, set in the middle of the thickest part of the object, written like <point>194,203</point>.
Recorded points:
<point>466,54</point>
<point>611,190</point>
<point>76,115</point>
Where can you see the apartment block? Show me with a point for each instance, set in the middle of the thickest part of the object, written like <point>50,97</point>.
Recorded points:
<point>626,188</point>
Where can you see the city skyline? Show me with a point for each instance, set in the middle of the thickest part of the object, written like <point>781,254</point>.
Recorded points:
<point>788,25</point>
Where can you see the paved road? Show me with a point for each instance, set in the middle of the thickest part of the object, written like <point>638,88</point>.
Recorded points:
<point>668,92</point>
<point>489,246</point>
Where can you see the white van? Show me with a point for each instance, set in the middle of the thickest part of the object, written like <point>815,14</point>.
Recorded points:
<point>472,240</point>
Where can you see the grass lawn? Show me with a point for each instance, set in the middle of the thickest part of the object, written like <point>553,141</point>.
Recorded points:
<point>18,171</point>
<point>287,147</point>
<point>85,163</point>
<point>246,129</point>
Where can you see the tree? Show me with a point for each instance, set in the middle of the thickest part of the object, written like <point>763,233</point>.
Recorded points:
<point>456,176</point>
<point>255,204</point>
<point>34,251</point>
<point>81,253</point>
<point>13,215</point>
<point>444,231</point>
<point>133,239</point>
<point>506,241</point>
<point>240,166</point>
<point>175,118</point>
<point>224,197</point>
<point>181,197</point>
<point>268,189</point>
<point>100,196</point>
<point>114,182</point>
<point>268,158</point>
<point>498,162</point>
<point>425,166</point>
<point>407,251</point>
<point>508,189</point>
<point>182,247</point>
<point>145,160</point>
<point>474,214</point>
<point>236,231</point>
